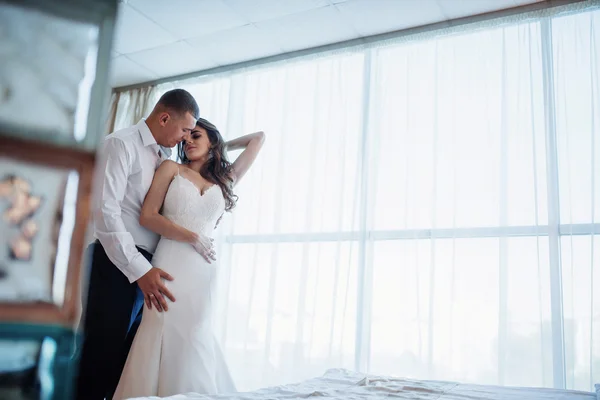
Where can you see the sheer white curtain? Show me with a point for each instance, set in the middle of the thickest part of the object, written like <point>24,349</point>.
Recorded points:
<point>290,257</point>
<point>576,47</point>
<point>458,267</point>
<point>484,201</point>
<point>427,209</point>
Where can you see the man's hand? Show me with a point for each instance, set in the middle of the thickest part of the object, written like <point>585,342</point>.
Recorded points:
<point>204,246</point>
<point>154,289</point>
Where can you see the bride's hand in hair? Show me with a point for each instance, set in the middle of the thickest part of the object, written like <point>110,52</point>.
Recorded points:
<point>251,144</point>
<point>205,247</point>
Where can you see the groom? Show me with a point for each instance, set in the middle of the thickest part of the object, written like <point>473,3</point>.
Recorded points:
<point>121,276</point>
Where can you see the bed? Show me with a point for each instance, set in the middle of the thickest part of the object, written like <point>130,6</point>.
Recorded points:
<point>338,384</point>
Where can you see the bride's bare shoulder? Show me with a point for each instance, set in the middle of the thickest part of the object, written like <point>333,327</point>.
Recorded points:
<point>168,167</point>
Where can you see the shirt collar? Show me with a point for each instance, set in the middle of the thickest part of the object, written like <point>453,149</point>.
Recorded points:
<point>145,134</point>
<point>166,151</point>
<point>148,138</point>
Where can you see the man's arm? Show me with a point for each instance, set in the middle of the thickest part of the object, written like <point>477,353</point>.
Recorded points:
<point>113,235</point>
<point>110,229</point>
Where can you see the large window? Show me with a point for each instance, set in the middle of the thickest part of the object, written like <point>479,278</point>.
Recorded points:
<point>427,209</point>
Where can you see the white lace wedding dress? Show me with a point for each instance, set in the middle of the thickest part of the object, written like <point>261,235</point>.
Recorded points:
<point>176,351</point>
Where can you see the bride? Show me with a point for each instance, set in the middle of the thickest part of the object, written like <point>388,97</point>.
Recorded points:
<point>176,351</point>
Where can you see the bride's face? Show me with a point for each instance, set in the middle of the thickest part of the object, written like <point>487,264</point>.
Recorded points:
<point>198,145</point>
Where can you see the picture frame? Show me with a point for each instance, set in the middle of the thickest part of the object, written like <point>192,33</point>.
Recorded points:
<point>62,307</point>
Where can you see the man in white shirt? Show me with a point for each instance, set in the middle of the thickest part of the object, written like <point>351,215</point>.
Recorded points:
<point>121,275</point>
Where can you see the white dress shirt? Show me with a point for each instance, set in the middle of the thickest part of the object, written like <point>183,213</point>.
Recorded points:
<point>130,157</point>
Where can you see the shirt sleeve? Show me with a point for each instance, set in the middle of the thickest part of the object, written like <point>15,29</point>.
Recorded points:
<point>109,226</point>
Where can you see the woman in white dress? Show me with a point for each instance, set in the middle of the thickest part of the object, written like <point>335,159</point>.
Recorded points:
<point>176,351</point>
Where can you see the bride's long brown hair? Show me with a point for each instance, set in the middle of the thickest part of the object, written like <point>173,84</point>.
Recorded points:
<point>217,169</point>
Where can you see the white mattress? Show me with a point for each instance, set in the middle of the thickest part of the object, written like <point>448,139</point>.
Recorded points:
<point>338,384</point>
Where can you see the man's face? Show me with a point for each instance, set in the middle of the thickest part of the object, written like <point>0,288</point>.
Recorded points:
<point>176,128</point>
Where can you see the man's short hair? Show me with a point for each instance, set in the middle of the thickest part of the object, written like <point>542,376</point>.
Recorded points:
<point>180,101</point>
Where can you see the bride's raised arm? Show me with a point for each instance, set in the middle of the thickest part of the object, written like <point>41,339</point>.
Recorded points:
<point>251,143</point>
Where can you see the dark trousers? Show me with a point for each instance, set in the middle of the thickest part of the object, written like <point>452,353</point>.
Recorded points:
<point>111,318</point>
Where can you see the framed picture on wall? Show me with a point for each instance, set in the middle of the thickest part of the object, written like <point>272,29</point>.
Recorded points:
<point>44,208</point>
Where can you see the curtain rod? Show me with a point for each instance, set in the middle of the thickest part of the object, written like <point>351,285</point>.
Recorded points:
<point>365,41</point>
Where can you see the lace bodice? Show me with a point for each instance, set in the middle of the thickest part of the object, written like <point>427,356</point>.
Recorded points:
<point>186,206</point>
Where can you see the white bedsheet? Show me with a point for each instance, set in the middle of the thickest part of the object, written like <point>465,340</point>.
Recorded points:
<point>338,384</point>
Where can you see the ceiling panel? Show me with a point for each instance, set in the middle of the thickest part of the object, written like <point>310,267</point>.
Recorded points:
<point>389,15</point>
<point>236,45</point>
<point>186,18</point>
<point>262,10</point>
<point>174,59</point>
<point>123,72</point>
<point>308,29</point>
<point>135,32</point>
